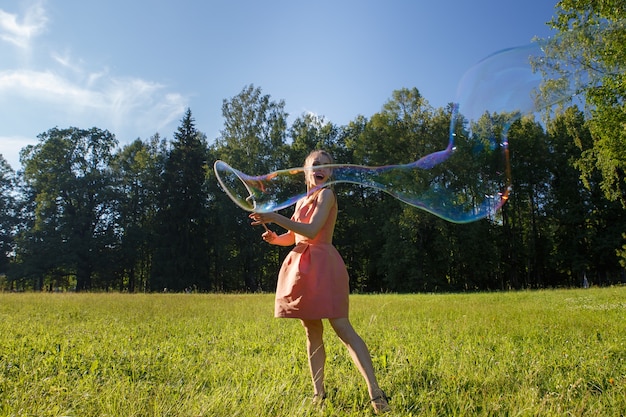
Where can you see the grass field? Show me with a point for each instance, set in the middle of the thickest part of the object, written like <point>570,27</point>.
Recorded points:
<point>544,353</point>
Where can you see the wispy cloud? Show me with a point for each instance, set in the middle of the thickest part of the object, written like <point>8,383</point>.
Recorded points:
<point>119,103</point>
<point>44,86</point>
<point>70,91</point>
<point>20,32</point>
<point>65,60</point>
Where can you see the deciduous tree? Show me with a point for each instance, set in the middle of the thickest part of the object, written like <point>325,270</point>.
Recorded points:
<point>253,141</point>
<point>8,212</point>
<point>590,50</point>
<point>68,176</point>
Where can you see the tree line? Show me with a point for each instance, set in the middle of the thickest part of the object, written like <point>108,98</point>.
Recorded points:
<point>85,214</point>
<point>151,216</point>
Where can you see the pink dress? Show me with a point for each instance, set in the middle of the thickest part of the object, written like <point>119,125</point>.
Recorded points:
<point>313,279</point>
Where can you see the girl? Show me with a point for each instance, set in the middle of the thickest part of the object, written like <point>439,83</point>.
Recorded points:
<point>313,280</point>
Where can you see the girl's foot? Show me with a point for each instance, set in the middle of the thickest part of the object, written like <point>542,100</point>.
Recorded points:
<point>380,402</point>
<point>318,399</point>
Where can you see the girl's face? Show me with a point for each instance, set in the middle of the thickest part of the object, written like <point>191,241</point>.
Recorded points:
<point>317,176</point>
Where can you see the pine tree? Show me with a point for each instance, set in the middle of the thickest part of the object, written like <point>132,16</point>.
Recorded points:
<point>181,253</point>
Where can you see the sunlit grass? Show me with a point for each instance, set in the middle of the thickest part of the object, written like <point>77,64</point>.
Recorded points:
<point>548,353</point>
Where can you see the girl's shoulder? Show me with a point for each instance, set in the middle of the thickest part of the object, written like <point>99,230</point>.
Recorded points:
<point>323,194</point>
<point>327,194</point>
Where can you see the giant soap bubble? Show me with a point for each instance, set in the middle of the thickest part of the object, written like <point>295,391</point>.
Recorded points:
<point>466,181</point>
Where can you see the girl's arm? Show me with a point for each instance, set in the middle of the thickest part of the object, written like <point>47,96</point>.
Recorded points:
<point>325,201</point>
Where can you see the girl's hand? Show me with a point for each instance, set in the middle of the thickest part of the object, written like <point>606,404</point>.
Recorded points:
<point>260,218</point>
<point>269,236</point>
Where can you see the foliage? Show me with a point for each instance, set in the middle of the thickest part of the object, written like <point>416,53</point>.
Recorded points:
<point>548,353</point>
<point>69,181</point>
<point>590,47</point>
<point>181,239</point>
<point>8,212</point>
<point>151,216</point>
<point>137,169</point>
<point>253,140</point>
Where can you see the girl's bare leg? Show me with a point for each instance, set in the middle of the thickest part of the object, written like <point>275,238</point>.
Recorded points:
<point>362,359</point>
<point>317,354</point>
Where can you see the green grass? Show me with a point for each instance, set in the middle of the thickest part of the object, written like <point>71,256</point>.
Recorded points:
<point>544,353</point>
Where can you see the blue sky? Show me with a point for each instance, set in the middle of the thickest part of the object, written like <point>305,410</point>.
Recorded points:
<point>134,66</point>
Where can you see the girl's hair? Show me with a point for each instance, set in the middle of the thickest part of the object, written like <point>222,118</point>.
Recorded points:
<point>321,152</point>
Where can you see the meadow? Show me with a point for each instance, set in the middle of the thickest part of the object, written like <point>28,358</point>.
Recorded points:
<point>531,353</point>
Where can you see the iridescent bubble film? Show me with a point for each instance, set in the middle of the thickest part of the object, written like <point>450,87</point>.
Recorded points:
<point>466,181</point>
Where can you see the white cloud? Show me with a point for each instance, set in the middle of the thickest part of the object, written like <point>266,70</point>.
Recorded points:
<point>117,103</point>
<point>65,60</point>
<point>21,32</point>
<point>43,86</point>
<point>11,146</point>
<point>65,91</point>
<point>141,104</point>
